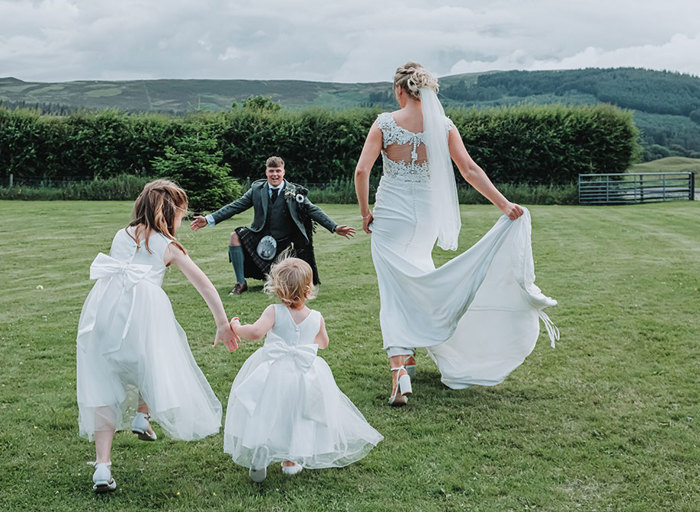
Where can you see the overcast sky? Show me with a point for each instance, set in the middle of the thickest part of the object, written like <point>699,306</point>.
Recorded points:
<point>339,41</point>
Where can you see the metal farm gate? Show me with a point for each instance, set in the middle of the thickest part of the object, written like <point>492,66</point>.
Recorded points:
<point>623,188</point>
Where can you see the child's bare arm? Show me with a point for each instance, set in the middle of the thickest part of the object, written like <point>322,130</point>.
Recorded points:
<point>257,330</point>
<point>203,285</point>
<point>322,336</point>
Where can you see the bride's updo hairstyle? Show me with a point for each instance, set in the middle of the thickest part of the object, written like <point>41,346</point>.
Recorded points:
<point>411,77</point>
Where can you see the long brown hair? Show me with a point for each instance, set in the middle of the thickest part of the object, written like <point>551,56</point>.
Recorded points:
<point>155,209</point>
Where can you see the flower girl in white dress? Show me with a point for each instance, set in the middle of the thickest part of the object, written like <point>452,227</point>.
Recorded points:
<point>284,404</point>
<point>131,352</point>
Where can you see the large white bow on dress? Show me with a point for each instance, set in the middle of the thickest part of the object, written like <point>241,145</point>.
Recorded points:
<point>106,266</point>
<point>249,392</point>
<point>111,309</point>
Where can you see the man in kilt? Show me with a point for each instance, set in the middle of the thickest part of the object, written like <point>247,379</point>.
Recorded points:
<point>283,217</point>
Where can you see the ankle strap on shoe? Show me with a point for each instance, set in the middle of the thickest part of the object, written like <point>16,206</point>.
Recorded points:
<point>398,369</point>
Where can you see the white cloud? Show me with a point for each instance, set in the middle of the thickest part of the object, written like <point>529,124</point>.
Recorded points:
<point>679,53</point>
<point>231,53</point>
<point>363,40</point>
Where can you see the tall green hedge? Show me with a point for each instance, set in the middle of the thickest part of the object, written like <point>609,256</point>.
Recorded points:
<point>549,144</point>
<point>524,144</point>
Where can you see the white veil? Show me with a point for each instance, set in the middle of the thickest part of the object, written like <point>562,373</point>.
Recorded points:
<point>442,180</point>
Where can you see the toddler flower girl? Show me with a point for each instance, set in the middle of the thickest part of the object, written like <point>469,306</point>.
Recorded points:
<point>284,404</point>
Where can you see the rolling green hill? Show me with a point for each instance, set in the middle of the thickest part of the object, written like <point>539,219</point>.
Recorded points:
<point>180,96</point>
<point>671,164</point>
<point>666,105</point>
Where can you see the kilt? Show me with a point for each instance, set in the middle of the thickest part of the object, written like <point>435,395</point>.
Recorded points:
<point>255,267</point>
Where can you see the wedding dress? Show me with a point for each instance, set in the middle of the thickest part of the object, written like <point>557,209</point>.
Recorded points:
<point>477,315</point>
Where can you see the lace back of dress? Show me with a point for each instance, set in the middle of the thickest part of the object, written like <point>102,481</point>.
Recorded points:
<point>404,153</point>
<point>409,153</point>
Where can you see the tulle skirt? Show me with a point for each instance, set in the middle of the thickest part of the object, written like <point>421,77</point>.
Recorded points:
<point>152,359</point>
<point>277,411</point>
<point>478,315</point>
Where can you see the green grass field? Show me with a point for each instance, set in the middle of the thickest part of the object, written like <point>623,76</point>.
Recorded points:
<point>606,421</point>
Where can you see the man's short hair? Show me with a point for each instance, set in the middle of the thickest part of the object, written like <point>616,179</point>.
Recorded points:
<point>274,161</point>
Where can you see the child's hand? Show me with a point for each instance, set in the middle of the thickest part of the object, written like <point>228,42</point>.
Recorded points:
<point>257,330</point>
<point>228,336</point>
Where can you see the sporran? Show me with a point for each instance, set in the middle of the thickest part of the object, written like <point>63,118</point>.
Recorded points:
<point>267,248</point>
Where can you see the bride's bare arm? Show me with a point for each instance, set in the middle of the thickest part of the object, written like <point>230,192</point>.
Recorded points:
<point>477,178</point>
<point>370,152</point>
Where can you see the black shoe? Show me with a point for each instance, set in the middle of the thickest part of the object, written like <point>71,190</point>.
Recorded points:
<point>239,288</point>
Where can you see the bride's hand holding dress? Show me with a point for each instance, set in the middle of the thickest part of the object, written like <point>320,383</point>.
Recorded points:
<point>477,178</point>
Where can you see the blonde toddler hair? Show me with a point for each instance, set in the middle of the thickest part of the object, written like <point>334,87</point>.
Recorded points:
<point>412,77</point>
<point>291,279</point>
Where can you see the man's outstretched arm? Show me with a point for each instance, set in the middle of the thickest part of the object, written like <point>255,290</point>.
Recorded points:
<point>324,220</point>
<point>226,212</point>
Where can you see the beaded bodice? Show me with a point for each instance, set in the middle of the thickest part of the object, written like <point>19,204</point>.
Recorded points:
<point>403,152</point>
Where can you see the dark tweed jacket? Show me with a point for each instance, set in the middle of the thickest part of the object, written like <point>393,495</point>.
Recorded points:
<point>258,198</point>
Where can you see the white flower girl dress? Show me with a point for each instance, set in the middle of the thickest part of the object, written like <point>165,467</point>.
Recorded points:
<point>285,405</point>
<point>129,343</point>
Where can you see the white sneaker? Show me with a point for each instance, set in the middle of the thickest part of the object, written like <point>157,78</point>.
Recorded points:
<point>140,427</point>
<point>257,475</point>
<point>292,470</point>
<point>102,478</point>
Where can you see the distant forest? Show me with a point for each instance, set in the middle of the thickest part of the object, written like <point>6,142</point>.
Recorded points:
<point>54,109</point>
<point>657,91</point>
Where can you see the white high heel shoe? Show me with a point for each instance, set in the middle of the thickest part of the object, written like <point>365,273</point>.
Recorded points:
<point>410,364</point>
<point>403,389</point>
<point>140,427</point>
<point>102,478</point>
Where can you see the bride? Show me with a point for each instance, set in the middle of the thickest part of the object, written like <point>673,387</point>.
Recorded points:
<point>477,315</point>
